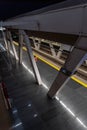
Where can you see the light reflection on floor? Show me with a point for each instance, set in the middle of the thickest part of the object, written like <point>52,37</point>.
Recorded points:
<point>46,87</point>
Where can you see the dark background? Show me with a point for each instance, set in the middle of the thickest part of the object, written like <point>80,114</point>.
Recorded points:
<point>12,8</point>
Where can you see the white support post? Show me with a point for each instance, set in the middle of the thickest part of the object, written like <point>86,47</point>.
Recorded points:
<point>35,44</point>
<point>52,50</point>
<point>8,46</point>
<point>30,54</point>
<point>59,53</point>
<point>13,47</point>
<point>86,62</point>
<point>39,43</point>
<point>20,46</point>
<point>5,41</point>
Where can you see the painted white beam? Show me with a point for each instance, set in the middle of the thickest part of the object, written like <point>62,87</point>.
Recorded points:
<point>70,20</point>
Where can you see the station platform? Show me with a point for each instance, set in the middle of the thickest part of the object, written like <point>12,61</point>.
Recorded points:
<point>35,110</point>
<point>5,122</point>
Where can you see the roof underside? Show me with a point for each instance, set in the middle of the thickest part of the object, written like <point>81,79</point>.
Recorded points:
<point>51,23</point>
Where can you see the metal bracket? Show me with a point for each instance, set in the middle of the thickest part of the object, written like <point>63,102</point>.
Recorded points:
<point>65,71</point>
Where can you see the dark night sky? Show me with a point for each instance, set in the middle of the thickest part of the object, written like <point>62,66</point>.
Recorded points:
<point>12,8</point>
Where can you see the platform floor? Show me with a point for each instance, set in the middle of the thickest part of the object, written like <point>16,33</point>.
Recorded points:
<point>5,122</point>
<point>36,111</point>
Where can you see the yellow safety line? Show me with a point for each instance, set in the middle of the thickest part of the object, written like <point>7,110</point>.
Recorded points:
<point>55,67</point>
<point>16,43</point>
<point>24,48</point>
<point>42,59</point>
<point>79,81</point>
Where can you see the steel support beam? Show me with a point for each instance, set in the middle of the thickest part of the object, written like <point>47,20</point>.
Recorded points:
<point>35,44</point>
<point>7,48</point>
<point>52,50</point>
<point>31,57</point>
<point>20,47</point>
<point>12,45</point>
<point>39,43</point>
<point>86,62</point>
<point>5,41</point>
<point>70,20</point>
<point>75,59</point>
<point>59,54</point>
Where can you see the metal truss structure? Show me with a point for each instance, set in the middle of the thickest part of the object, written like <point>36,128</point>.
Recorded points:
<point>66,26</point>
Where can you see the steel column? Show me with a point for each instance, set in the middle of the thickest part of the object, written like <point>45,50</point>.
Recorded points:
<point>39,42</point>
<point>52,50</point>
<point>60,52</point>
<point>20,47</point>
<point>30,54</point>
<point>86,62</point>
<point>13,47</point>
<point>9,47</point>
<point>75,59</point>
<point>35,44</point>
<point>5,41</point>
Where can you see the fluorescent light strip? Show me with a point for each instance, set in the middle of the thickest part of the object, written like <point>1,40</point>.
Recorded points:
<point>81,122</point>
<point>28,69</point>
<point>14,111</point>
<point>57,98</point>
<point>67,109</point>
<point>61,102</point>
<point>45,86</point>
<point>20,123</point>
